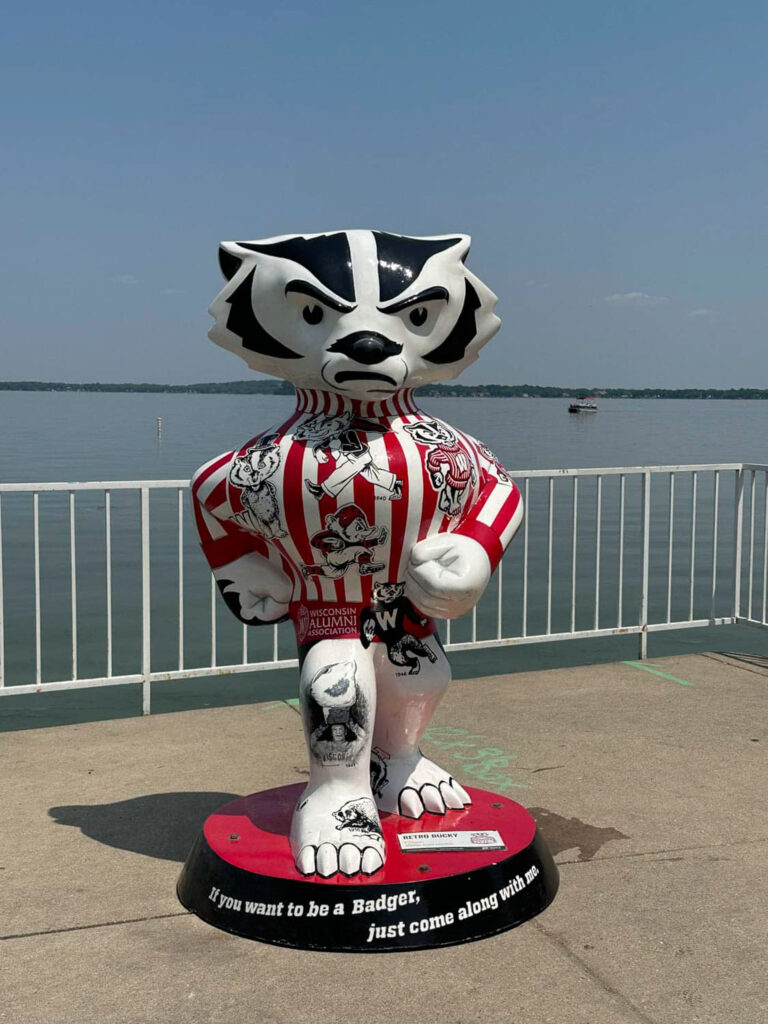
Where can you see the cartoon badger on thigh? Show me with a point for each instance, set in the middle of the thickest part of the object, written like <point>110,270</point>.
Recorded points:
<point>386,619</point>
<point>359,517</point>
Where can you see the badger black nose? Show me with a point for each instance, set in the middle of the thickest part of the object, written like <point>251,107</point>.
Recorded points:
<point>366,347</point>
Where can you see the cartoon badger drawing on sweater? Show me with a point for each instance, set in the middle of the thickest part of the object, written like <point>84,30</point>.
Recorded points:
<point>360,517</point>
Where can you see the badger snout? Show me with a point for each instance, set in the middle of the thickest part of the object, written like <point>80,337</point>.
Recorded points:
<point>366,347</point>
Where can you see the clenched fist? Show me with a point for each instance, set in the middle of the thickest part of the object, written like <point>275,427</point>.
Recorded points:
<point>446,575</point>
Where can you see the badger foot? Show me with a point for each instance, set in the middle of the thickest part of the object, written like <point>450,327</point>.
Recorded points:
<point>334,831</point>
<point>415,785</point>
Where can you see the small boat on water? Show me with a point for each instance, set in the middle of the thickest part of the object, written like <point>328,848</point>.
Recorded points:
<point>583,405</point>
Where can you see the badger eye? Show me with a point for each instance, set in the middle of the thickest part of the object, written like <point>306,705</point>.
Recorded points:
<point>312,314</point>
<point>418,316</point>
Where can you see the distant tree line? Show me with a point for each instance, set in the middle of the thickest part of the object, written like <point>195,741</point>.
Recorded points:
<point>235,387</point>
<point>282,387</point>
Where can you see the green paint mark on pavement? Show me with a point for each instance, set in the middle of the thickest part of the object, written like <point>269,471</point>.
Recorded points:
<point>292,702</point>
<point>657,672</point>
<point>271,705</point>
<point>490,764</point>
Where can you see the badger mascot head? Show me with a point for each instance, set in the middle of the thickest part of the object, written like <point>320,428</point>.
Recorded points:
<point>359,313</point>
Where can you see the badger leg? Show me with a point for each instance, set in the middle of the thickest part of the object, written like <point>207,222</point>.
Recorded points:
<point>335,827</point>
<point>404,709</point>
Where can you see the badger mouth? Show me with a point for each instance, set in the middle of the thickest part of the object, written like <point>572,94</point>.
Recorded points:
<point>361,375</point>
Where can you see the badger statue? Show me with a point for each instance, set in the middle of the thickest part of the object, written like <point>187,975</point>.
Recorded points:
<point>360,518</point>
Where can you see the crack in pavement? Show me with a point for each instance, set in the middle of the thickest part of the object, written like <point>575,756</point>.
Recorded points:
<point>735,661</point>
<point>675,849</point>
<point>592,974</point>
<point>98,924</point>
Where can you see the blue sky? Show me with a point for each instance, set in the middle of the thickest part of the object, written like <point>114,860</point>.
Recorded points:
<point>610,161</point>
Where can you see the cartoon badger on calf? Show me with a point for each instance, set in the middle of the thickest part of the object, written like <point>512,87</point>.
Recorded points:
<point>409,516</point>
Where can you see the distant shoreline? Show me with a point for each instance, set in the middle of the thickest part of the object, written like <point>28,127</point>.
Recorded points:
<point>278,387</point>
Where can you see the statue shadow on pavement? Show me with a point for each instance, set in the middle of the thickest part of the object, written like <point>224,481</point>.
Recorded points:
<point>165,825</point>
<point>161,825</point>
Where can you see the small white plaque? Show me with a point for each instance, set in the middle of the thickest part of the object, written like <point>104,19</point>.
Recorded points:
<point>480,839</point>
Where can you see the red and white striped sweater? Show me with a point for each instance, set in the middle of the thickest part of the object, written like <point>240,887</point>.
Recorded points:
<point>336,497</point>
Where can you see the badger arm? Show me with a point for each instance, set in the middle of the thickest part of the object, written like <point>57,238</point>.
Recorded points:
<point>448,572</point>
<point>247,571</point>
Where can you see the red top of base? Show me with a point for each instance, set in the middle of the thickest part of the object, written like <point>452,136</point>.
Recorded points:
<point>252,834</point>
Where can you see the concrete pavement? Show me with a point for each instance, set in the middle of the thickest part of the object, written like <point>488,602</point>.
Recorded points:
<point>649,782</point>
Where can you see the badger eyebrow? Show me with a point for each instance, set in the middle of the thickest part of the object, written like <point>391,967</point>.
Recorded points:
<point>428,295</point>
<point>305,288</point>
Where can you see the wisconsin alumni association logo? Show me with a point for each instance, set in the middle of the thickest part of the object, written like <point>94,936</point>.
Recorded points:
<point>325,621</point>
<point>302,622</point>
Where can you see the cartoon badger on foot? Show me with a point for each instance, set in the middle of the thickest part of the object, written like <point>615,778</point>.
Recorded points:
<point>360,518</point>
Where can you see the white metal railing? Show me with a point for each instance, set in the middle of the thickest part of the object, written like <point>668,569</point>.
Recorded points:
<point>602,552</point>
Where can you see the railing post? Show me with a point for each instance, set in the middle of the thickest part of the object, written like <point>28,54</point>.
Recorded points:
<point>550,537</point>
<point>738,513</point>
<point>146,632</point>
<point>73,580</point>
<point>526,506</point>
<point>750,577</point>
<point>2,608</point>
<point>38,625</point>
<point>643,645</point>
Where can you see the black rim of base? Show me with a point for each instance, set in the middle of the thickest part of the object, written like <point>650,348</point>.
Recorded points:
<point>370,918</point>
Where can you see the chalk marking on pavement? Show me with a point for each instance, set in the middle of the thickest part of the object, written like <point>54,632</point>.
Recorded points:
<point>486,763</point>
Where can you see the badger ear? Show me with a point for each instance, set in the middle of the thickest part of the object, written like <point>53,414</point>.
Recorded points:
<point>462,250</point>
<point>229,261</point>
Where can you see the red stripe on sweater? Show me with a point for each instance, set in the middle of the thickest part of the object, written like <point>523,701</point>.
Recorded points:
<point>292,498</point>
<point>365,498</point>
<point>203,476</point>
<point>399,509</point>
<point>506,513</point>
<point>430,495</point>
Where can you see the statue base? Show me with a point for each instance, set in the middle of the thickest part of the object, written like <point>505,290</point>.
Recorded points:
<point>240,877</point>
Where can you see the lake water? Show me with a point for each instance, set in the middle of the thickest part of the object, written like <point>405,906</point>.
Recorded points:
<point>60,436</point>
<point>57,436</point>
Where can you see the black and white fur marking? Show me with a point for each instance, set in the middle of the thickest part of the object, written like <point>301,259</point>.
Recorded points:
<point>366,313</point>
